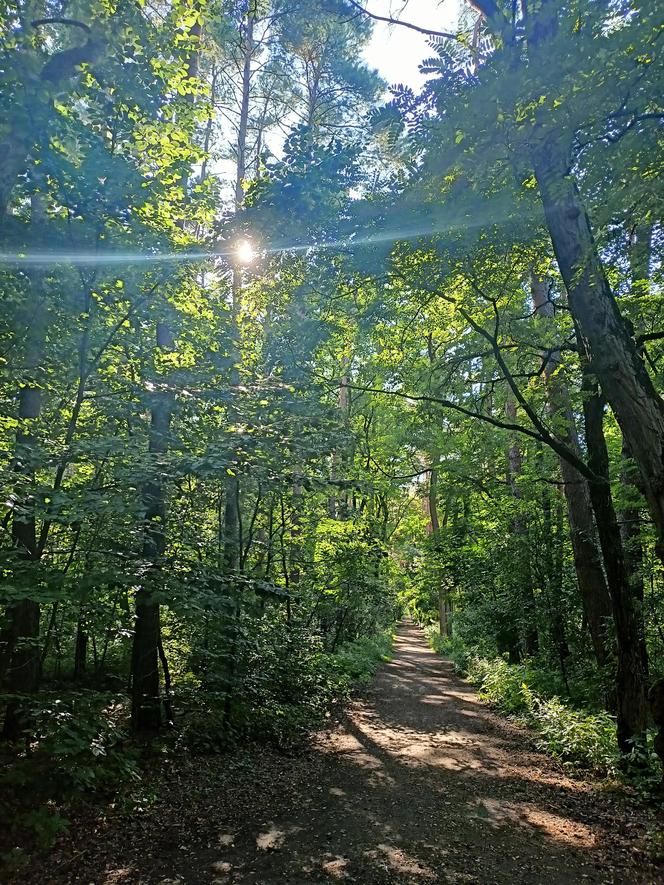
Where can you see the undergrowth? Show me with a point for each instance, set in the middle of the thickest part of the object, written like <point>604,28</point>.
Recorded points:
<point>80,746</point>
<point>580,738</point>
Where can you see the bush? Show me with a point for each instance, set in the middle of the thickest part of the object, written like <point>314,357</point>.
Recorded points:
<point>283,684</point>
<point>77,744</point>
<point>578,737</point>
<point>451,647</point>
<point>587,740</point>
<point>356,662</point>
<point>77,748</point>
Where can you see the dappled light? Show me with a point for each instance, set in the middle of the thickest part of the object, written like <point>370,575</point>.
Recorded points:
<point>379,799</point>
<point>331,442</point>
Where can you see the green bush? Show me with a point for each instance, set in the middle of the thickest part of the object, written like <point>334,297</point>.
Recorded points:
<point>77,744</point>
<point>356,662</point>
<point>451,647</point>
<point>587,740</point>
<point>77,747</point>
<point>578,737</point>
<point>583,739</point>
<point>283,684</point>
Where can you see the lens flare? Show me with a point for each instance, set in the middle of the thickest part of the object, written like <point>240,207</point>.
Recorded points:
<point>245,252</point>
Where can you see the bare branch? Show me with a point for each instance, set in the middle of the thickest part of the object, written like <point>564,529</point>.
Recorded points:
<point>72,22</point>
<point>429,32</point>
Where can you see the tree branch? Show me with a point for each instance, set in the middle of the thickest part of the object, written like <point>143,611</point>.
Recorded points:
<point>429,32</point>
<point>72,22</point>
<point>558,447</point>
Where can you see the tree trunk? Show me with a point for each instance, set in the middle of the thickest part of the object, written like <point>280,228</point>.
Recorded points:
<point>241,169</point>
<point>631,677</point>
<point>146,711</point>
<point>232,483</point>
<point>444,600</point>
<point>605,341</point>
<point>19,645</point>
<point>80,649</point>
<point>519,533</point>
<point>630,526</point>
<point>593,591</point>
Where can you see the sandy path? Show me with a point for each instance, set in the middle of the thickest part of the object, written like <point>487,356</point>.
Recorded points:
<point>420,783</point>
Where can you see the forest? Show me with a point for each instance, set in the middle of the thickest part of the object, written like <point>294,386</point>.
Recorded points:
<point>289,354</point>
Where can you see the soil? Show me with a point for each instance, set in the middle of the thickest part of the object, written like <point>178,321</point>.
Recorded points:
<point>419,782</point>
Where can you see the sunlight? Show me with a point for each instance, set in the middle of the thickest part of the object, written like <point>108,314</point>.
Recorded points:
<point>245,252</point>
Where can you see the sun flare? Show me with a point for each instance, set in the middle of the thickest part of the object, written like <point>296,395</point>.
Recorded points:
<point>245,252</point>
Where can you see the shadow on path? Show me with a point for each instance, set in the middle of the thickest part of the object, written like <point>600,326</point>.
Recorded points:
<point>420,783</point>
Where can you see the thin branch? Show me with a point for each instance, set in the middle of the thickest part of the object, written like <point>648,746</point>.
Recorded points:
<point>429,32</point>
<point>649,336</point>
<point>558,447</point>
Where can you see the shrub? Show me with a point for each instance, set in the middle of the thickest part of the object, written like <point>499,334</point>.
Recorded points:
<point>587,740</point>
<point>357,661</point>
<point>451,647</point>
<point>282,686</point>
<point>578,737</point>
<point>77,747</point>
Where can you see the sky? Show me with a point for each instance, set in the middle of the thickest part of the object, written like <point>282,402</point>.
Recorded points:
<point>396,51</point>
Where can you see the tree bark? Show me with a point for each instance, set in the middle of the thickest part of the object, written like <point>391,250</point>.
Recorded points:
<point>604,338</point>
<point>519,533</point>
<point>146,711</point>
<point>20,657</point>
<point>232,482</point>
<point>593,591</point>
<point>631,676</point>
<point>80,649</point>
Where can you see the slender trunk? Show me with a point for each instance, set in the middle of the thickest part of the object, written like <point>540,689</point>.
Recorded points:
<point>231,560</point>
<point>631,677</point>
<point>593,591</point>
<point>433,502</point>
<point>19,644</point>
<point>556,594</point>
<point>296,532</point>
<point>551,577</point>
<point>630,515</point>
<point>168,702</point>
<point>80,649</point>
<point>146,710</point>
<point>444,600</point>
<point>232,483</point>
<point>630,526</point>
<point>284,560</point>
<point>241,170</point>
<point>519,532</point>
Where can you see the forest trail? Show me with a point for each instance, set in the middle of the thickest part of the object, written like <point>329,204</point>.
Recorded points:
<point>419,783</point>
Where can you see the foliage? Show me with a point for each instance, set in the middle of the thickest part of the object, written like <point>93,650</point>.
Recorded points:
<point>225,468</point>
<point>582,739</point>
<point>78,750</point>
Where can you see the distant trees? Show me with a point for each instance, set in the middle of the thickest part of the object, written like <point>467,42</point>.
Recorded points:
<point>165,477</point>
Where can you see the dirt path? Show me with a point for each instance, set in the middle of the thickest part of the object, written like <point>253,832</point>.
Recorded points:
<point>420,783</point>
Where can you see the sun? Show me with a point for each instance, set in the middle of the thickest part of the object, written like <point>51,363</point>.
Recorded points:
<point>245,252</point>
